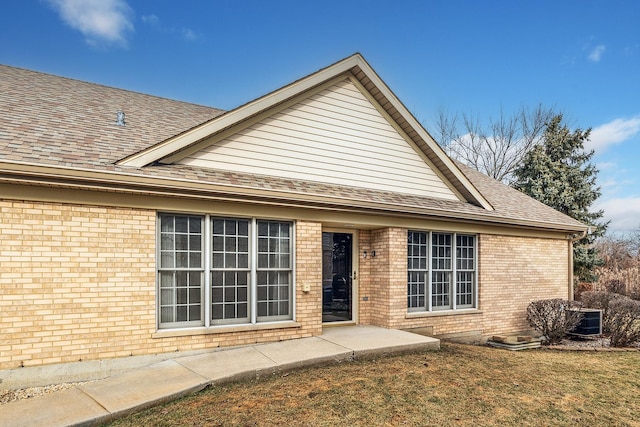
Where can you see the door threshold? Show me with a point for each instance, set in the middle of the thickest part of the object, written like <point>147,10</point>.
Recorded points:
<point>337,324</point>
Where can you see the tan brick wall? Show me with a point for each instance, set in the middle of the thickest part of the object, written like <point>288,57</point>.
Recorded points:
<point>365,280</point>
<point>384,275</point>
<point>513,271</point>
<point>309,271</point>
<point>78,283</point>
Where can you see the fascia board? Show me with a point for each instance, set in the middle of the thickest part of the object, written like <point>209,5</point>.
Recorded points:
<point>177,143</point>
<point>437,150</point>
<point>237,127</point>
<point>85,179</point>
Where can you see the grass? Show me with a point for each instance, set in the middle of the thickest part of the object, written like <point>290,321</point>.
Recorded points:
<point>457,386</point>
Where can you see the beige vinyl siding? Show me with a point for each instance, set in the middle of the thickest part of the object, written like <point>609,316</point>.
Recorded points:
<point>336,136</point>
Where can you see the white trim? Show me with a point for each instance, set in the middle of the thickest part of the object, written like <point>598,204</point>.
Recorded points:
<point>206,269</point>
<point>230,118</point>
<point>133,183</point>
<point>294,284</point>
<point>207,273</point>
<point>253,265</point>
<point>173,145</point>
<point>355,267</point>
<point>453,281</point>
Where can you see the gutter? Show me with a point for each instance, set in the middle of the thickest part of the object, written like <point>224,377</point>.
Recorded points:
<point>121,182</point>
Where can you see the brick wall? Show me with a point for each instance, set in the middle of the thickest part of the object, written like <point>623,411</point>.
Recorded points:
<point>383,276</point>
<point>379,268</point>
<point>513,271</point>
<point>365,279</point>
<point>78,283</point>
<point>309,271</point>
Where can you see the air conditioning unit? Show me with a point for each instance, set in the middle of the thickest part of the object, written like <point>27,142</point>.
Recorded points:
<point>590,325</point>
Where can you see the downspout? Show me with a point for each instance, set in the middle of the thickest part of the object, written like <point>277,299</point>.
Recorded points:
<point>573,238</point>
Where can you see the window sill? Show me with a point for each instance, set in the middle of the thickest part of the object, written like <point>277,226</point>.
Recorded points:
<point>462,312</point>
<point>223,329</point>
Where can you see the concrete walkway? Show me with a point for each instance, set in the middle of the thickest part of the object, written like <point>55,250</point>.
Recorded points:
<point>116,396</point>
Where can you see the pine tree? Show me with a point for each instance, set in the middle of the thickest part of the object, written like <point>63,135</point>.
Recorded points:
<point>558,173</point>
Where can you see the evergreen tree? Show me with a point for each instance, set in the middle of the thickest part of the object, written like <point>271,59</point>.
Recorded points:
<point>558,173</point>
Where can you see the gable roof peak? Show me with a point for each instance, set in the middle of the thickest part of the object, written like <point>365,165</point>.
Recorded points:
<point>354,67</point>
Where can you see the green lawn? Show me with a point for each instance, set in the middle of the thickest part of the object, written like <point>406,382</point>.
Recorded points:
<point>457,386</point>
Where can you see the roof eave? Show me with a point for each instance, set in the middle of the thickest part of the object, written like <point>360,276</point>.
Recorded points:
<point>64,177</point>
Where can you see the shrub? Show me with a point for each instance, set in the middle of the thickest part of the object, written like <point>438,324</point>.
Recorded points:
<point>623,321</point>
<point>582,287</point>
<point>553,317</point>
<point>616,286</point>
<point>600,300</point>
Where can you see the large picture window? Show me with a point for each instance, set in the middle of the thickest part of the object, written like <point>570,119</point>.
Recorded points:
<point>441,271</point>
<point>248,265</point>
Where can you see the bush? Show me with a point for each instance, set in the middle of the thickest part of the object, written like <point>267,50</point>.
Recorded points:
<point>553,318</point>
<point>616,286</point>
<point>623,321</point>
<point>580,288</point>
<point>600,300</point>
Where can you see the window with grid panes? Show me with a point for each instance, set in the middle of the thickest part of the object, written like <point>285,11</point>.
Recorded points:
<point>250,270</point>
<point>417,268</point>
<point>274,269</point>
<point>441,271</point>
<point>230,272</point>
<point>445,278</point>
<point>181,270</point>
<point>465,270</point>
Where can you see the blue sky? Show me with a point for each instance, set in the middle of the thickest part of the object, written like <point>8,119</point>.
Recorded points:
<point>466,56</point>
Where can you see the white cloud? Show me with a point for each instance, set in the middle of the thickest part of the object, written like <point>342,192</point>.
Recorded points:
<point>605,166</point>
<point>624,213</point>
<point>596,53</point>
<point>609,183</point>
<point>154,21</point>
<point>614,132</point>
<point>100,21</point>
<point>151,19</point>
<point>189,35</point>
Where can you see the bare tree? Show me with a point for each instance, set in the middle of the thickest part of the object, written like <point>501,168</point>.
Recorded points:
<point>496,148</point>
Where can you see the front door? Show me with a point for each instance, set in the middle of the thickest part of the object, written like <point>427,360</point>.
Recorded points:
<point>337,266</point>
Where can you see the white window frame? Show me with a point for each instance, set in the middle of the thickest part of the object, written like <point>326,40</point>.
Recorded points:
<point>175,269</point>
<point>452,271</point>
<point>207,270</point>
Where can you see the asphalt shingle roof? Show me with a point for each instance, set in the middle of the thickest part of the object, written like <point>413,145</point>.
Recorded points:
<point>58,121</point>
<point>47,120</point>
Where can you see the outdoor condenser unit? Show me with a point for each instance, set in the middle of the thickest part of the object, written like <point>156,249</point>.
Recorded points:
<point>591,323</point>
